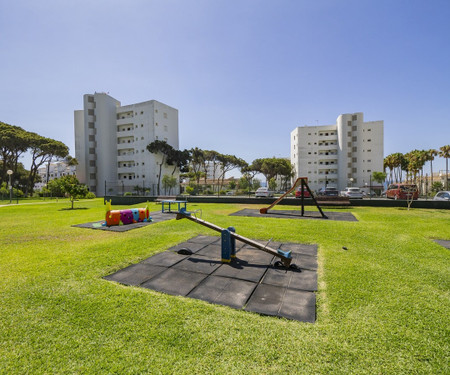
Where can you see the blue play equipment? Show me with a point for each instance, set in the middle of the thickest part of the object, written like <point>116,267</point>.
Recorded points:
<point>229,237</point>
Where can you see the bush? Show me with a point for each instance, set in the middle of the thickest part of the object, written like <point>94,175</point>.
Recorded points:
<point>222,192</point>
<point>127,194</point>
<point>90,195</point>
<point>191,190</point>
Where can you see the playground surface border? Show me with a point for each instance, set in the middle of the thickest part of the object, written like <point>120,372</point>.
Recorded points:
<point>251,282</point>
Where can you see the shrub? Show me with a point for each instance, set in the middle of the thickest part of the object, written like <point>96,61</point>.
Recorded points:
<point>90,195</point>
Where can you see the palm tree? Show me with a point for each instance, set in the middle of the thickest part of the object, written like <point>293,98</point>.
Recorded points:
<point>445,153</point>
<point>430,157</point>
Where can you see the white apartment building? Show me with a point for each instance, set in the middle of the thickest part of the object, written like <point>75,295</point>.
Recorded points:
<point>339,155</point>
<point>54,170</point>
<point>111,143</point>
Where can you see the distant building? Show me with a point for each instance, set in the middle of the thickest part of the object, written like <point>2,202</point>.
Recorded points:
<point>52,171</point>
<point>111,143</point>
<point>339,155</point>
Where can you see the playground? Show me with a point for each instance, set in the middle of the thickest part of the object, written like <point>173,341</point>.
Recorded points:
<point>70,303</point>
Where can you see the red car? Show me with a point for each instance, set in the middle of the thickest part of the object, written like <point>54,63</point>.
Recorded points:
<point>402,191</point>
<point>298,193</point>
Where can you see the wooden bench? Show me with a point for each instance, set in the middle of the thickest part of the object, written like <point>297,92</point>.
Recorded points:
<point>333,201</point>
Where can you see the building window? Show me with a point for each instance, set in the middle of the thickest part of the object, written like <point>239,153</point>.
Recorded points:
<point>369,140</point>
<point>142,138</point>
<point>91,138</point>
<point>142,112</point>
<point>92,176</point>
<point>92,151</point>
<point>354,117</point>
<point>142,125</point>
<point>354,160</point>
<point>91,125</point>
<point>354,149</point>
<point>165,115</point>
<point>354,138</point>
<point>349,134</point>
<point>369,150</point>
<point>349,144</point>
<point>90,112</point>
<point>349,123</point>
<point>354,128</point>
<point>90,99</point>
<point>92,163</point>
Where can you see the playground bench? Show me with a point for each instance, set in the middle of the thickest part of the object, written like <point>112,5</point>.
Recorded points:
<point>333,201</point>
<point>162,198</point>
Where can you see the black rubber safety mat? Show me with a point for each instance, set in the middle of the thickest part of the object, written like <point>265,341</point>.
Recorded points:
<point>252,281</point>
<point>157,217</point>
<point>296,214</point>
<point>445,243</point>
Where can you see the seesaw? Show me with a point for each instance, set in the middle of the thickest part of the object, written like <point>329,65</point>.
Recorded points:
<point>229,237</point>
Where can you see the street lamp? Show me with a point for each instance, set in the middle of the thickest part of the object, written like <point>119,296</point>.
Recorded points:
<point>351,181</point>
<point>10,172</point>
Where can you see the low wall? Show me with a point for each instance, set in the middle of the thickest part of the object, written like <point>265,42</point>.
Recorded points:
<point>376,202</point>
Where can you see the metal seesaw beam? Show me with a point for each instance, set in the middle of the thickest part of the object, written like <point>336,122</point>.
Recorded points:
<point>285,257</point>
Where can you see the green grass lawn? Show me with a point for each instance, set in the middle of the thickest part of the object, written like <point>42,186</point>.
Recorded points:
<point>382,305</point>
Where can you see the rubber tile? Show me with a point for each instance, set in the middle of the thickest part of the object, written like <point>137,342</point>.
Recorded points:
<point>224,291</point>
<point>300,279</point>
<point>242,270</point>
<point>192,246</point>
<point>175,282</point>
<point>254,256</point>
<point>282,302</point>
<point>298,248</point>
<point>207,240</point>
<point>156,218</point>
<point>298,305</point>
<point>445,243</point>
<point>304,261</point>
<point>165,259</point>
<point>213,252</point>
<point>135,274</point>
<point>266,300</point>
<point>296,214</point>
<point>198,263</point>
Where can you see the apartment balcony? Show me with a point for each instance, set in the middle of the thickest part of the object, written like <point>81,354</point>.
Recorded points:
<point>125,121</point>
<point>328,175</point>
<point>125,170</point>
<point>129,158</point>
<point>125,133</point>
<point>330,156</point>
<point>124,146</point>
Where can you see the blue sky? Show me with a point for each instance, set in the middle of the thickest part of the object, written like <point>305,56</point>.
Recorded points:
<point>242,73</point>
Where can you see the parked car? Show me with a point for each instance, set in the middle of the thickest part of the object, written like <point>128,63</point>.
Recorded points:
<point>329,191</point>
<point>402,191</point>
<point>299,192</point>
<point>263,192</point>
<point>442,196</point>
<point>352,192</point>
